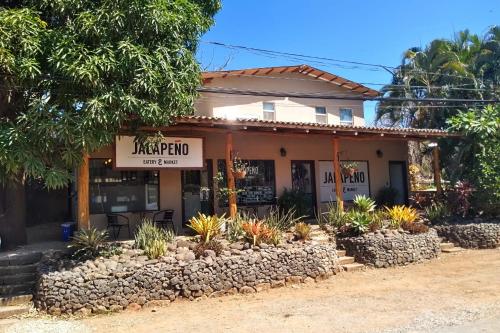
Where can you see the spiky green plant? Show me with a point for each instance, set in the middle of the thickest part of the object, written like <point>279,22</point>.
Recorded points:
<point>364,204</point>
<point>334,216</point>
<point>88,243</point>
<point>282,220</point>
<point>359,221</point>
<point>437,212</point>
<point>152,239</point>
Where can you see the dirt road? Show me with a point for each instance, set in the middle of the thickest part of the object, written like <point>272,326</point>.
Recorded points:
<point>449,294</point>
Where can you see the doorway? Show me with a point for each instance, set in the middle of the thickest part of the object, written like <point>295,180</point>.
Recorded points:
<point>304,180</point>
<point>197,192</point>
<point>399,181</point>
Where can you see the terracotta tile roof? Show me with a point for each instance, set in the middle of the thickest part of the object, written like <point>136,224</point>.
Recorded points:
<point>288,126</point>
<point>310,71</point>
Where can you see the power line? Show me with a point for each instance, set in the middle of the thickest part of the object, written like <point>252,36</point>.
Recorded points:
<point>363,83</point>
<point>300,57</point>
<point>231,91</point>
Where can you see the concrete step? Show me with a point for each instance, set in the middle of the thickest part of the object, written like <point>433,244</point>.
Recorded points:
<point>452,250</point>
<point>21,269</point>
<point>346,260</point>
<point>341,253</point>
<point>14,310</point>
<point>19,259</point>
<point>15,300</point>
<point>447,246</point>
<point>353,267</point>
<point>16,289</point>
<point>18,278</point>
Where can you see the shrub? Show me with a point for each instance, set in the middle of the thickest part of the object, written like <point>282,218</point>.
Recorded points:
<point>378,218</point>
<point>386,197</point>
<point>359,221</point>
<point>257,232</point>
<point>213,245</point>
<point>282,220</point>
<point>302,231</point>
<point>401,215</point>
<point>88,243</point>
<point>437,212</point>
<point>234,230</point>
<point>334,216</point>
<point>294,200</point>
<point>364,204</point>
<point>207,227</point>
<point>459,198</point>
<point>422,200</point>
<point>152,239</point>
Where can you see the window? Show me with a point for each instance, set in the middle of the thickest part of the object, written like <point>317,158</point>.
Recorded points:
<point>346,116</point>
<point>321,116</point>
<point>258,187</point>
<point>114,191</point>
<point>268,111</point>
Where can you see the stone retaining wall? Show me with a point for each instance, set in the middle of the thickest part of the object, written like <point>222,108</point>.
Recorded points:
<point>472,235</point>
<point>131,280</point>
<point>391,248</point>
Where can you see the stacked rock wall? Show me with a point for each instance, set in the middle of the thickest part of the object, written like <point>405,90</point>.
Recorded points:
<point>127,280</point>
<point>471,236</point>
<point>391,248</point>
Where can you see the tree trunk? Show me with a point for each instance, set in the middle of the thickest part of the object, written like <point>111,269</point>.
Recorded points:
<point>12,214</point>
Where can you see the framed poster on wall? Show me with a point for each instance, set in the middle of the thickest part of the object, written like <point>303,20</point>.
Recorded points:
<point>357,184</point>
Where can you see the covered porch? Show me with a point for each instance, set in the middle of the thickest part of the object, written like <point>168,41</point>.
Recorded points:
<point>279,155</point>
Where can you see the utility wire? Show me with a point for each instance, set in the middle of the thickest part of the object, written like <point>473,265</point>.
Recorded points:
<point>301,57</point>
<point>230,91</point>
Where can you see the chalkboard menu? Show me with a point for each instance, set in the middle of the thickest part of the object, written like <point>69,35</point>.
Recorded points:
<point>259,185</point>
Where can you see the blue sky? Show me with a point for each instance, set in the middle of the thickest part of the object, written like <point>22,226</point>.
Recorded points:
<point>376,31</point>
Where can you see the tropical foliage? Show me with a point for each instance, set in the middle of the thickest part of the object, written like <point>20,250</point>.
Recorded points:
<point>465,67</point>
<point>364,204</point>
<point>88,243</point>
<point>76,71</point>
<point>152,239</point>
<point>478,156</point>
<point>207,227</point>
<point>402,215</point>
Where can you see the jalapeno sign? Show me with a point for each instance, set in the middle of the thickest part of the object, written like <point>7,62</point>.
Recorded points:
<point>170,152</point>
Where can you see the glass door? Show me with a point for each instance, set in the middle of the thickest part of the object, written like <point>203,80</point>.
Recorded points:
<point>303,179</point>
<point>197,193</point>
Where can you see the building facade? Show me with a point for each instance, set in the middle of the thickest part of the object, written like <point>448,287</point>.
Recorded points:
<point>286,124</point>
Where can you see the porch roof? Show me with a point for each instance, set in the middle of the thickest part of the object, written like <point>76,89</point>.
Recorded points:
<point>349,131</point>
<point>309,71</point>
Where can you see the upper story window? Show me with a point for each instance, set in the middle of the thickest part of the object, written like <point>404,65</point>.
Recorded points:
<point>268,109</point>
<point>346,116</point>
<point>321,116</point>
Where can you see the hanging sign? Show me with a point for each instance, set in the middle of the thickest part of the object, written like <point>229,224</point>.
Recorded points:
<point>357,184</point>
<point>170,152</point>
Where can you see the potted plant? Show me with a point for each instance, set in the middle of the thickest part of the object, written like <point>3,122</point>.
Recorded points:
<point>239,168</point>
<point>349,168</point>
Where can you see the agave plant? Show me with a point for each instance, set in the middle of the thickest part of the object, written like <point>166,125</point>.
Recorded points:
<point>401,215</point>
<point>360,221</point>
<point>364,204</point>
<point>436,212</point>
<point>208,227</point>
<point>88,243</point>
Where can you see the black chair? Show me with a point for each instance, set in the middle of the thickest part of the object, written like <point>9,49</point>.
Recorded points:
<point>116,222</point>
<point>164,218</point>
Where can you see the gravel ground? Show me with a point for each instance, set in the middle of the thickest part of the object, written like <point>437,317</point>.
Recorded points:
<point>458,293</point>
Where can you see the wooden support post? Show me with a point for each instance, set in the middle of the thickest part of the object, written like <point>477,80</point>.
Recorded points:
<point>437,170</point>
<point>229,176</point>
<point>336,170</point>
<point>83,194</point>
